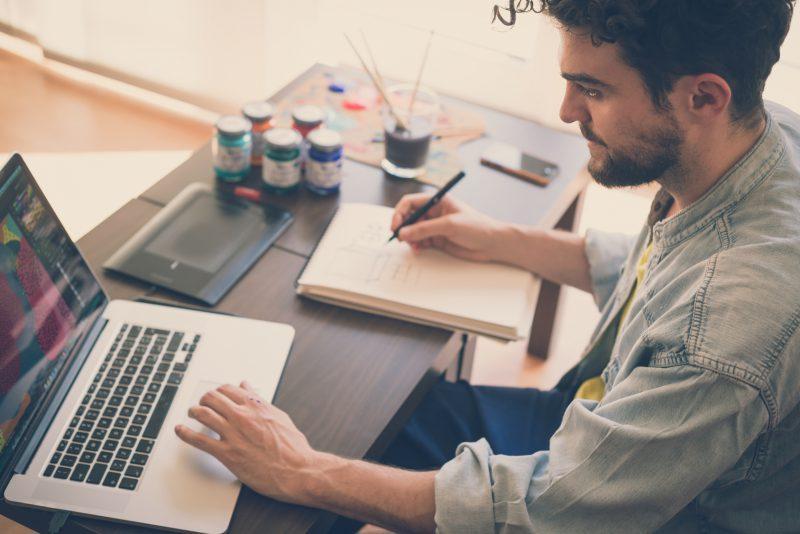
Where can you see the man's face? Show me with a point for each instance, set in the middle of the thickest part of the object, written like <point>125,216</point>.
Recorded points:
<point>630,140</point>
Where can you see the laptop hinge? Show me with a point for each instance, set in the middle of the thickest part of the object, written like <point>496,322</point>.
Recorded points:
<point>42,423</point>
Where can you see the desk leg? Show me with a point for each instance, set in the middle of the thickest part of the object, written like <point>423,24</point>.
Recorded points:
<point>546,307</point>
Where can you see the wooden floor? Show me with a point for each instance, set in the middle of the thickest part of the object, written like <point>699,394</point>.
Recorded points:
<point>45,112</point>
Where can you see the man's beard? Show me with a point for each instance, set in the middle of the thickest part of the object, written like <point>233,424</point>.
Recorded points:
<point>655,153</point>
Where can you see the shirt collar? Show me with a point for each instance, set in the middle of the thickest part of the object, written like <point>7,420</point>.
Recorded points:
<point>746,174</point>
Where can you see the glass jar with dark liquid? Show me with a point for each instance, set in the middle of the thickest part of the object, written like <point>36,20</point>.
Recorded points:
<point>407,146</point>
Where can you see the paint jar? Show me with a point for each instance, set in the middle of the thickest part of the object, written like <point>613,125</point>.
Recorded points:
<point>281,162</point>
<point>407,146</point>
<point>260,114</point>
<point>307,118</point>
<point>232,148</point>
<point>324,163</point>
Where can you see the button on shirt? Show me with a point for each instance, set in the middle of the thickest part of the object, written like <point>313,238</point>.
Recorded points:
<point>698,428</point>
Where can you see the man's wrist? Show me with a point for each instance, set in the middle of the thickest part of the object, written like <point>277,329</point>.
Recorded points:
<point>509,244</point>
<point>312,484</point>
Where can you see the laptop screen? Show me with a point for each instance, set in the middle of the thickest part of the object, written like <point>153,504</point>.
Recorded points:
<point>47,299</point>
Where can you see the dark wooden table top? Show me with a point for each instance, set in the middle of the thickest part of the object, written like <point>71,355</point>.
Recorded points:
<point>352,378</point>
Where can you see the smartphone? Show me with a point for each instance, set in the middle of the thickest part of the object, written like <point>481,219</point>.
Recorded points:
<point>511,160</point>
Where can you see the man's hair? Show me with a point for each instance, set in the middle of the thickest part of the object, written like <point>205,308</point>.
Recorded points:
<point>739,40</point>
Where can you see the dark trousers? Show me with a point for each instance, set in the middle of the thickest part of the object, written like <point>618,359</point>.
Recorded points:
<point>515,421</point>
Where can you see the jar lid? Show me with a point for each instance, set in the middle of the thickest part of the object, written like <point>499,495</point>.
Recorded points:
<point>282,138</point>
<point>325,139</point>
<point>308,115</point>
<point>257,111</point>
<point>233,125</point>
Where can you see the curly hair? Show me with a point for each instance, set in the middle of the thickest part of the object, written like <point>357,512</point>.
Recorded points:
<point>739,40</point>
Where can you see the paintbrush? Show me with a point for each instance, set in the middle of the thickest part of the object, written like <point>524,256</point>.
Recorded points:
<point>378,74</point>
<point>400,123</point>
<point>419,75</point>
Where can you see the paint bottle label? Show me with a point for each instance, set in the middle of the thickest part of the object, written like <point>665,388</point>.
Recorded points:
<point>282,174</point>
<point>324,174</point>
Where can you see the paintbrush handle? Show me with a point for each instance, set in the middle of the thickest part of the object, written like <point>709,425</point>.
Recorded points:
<point>519,173</point>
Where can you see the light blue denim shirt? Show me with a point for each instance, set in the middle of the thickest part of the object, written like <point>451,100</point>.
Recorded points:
<point>699,429</point>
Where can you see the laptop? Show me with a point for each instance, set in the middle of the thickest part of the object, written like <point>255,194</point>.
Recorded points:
<point>91,389</point>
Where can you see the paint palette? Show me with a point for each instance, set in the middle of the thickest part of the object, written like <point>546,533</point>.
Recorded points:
<point>352,107</point>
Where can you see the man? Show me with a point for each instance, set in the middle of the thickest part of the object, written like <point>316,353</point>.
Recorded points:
<point>683,415</point>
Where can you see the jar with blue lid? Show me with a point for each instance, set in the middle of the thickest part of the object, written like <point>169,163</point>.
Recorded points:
<point>281,162</point>
<point>232,148</point>
<point>324,163</point>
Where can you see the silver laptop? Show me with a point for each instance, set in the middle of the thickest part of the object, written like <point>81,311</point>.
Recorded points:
<point>91,389</point>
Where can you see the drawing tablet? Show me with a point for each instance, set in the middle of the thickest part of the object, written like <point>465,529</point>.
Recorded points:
<point>200,243</point>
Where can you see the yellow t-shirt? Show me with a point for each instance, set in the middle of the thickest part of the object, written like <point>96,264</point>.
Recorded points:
<point>594,388</point>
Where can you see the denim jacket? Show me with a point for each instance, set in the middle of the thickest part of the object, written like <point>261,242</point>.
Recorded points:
<point>699,429</point>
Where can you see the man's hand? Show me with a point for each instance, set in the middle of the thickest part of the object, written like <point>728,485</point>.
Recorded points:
<point>258,442</point>
<point>450,226</point>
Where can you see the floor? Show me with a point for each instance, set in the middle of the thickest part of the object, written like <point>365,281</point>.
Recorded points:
<point>107,149</point>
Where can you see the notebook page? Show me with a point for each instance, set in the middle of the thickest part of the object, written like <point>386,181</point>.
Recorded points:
<point>354,256</point>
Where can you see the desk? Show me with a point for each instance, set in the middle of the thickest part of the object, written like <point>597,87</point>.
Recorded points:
<point>352,378</point>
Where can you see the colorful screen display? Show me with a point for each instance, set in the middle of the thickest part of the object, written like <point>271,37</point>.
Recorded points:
<point>46,293</point>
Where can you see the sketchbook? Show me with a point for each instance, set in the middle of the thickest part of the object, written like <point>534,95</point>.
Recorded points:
<point>354,266</point>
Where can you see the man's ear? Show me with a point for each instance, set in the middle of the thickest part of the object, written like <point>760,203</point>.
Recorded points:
<point>706,96</point>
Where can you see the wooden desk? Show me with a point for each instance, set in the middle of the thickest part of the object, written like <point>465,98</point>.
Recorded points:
<point>352,379</point>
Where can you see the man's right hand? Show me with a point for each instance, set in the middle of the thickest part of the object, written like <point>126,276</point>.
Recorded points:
<point>450,226</point>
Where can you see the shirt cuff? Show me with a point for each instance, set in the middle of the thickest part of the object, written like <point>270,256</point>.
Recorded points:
<point>464,491</point>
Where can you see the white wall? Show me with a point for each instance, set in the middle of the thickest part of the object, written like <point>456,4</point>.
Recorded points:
<point>223,53</point>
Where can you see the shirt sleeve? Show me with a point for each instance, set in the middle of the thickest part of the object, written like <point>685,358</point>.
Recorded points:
<point>607,254</point>
<point>628,464</point>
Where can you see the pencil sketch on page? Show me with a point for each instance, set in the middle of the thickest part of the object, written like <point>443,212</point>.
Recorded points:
<point>368,259</point>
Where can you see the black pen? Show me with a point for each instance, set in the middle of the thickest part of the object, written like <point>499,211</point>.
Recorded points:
<point>428,205</point>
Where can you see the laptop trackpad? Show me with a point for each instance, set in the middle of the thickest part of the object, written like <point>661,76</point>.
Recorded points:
<point>87,497</point>
<point>200,460</point>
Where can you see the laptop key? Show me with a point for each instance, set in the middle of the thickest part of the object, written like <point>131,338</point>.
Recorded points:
<point>121,422</point>
<point>141,380</point>
<point>62,472</point>
<point>110,412</point>
<point>144,408</point>
<point>139,459</point>
<point>86,399</point>
<point>92,415</point>
<point>117,465</point>
<point>68,433</point>
<point>134,471</point>
<point>48,471</point>
<point>56,457</point>
<point>124,454</point>
<point>110,445</point>
<point>80,472</point>
<point>74,448</point>
<point>131,401</point>
<point>175,378</point>
<point>93,445</point>
<point>137,390</point>
<point>68,460</point>
<point>159,377</point>
<point>128,483</point>
<point>145,446</point>
<point>108,383</point>
<point>116,433</point>
<point>74,422</point>
<point>134,430</point>
<point>126,380</point>
<point>113,373</point>
<point>104,422</point>
<point>111,480</point>
<point>87,457</point>
<point>160,412</point>
<point>103,393</point>
<point>80,437</point>
<point>126,411</point>
<point>81,409</point>
<point>62,445</point>
<point>128,442</point>
<point>96,474</point>
<point>139,419</point>
<point>153,387</point>
<point>168,357</point>
<point>86,426</point>
<point>104,457</point>
<point>180,366</point>
<point>99,433</point>
<point>149,398</point>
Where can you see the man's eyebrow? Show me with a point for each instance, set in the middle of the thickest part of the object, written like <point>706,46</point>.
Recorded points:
<point>583,78</point>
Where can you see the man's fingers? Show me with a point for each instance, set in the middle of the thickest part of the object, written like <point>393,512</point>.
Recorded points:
<point>407,205</point>
<point>210,418</point>
<point>236,394</point>
<point>440,226</point>
<point>219,403</point>
<point>201,441</point>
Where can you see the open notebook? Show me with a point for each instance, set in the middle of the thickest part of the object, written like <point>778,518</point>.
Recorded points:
<point>354,266</point>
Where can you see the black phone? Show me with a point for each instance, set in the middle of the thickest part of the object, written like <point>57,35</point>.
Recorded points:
<point>510,157</point>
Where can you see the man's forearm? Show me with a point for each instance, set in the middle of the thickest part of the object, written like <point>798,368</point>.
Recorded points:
<point>554,255</point>
<point>386,496</point>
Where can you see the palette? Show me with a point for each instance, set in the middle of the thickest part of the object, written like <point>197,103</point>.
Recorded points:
<point>352,107</point>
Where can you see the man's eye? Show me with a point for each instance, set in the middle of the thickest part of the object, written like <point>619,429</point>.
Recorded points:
<point>589,93</point>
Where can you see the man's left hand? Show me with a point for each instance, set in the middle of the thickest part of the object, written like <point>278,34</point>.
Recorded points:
<point>258,442</point>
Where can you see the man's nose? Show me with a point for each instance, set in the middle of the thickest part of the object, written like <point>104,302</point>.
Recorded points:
<point>573,108</point>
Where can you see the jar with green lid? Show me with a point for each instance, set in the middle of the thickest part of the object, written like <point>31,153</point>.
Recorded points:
<point>231,148</point>
<point>281,161</point>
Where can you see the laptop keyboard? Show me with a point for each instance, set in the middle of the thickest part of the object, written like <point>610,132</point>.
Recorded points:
<point>110,437</point>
